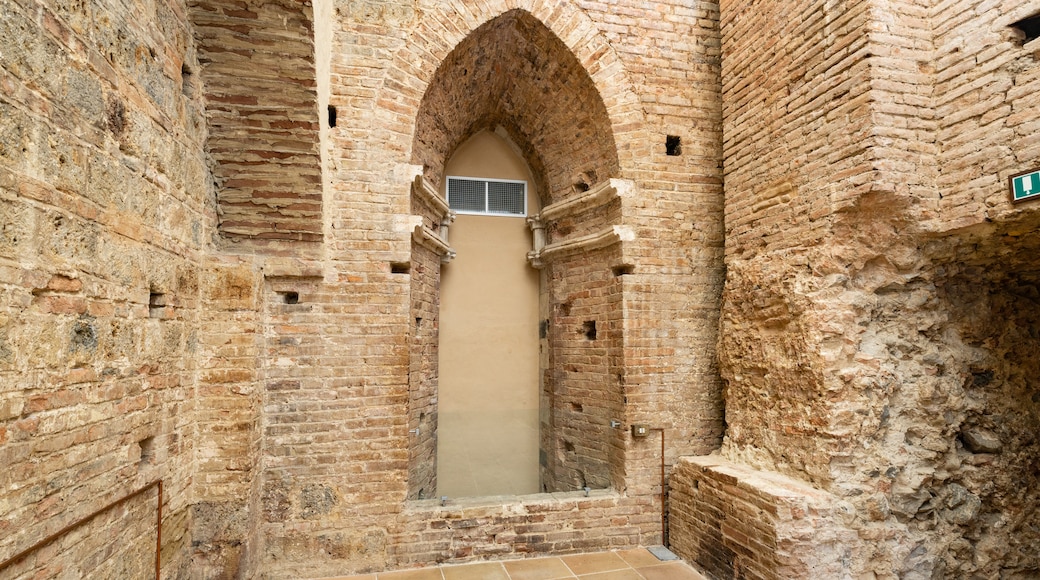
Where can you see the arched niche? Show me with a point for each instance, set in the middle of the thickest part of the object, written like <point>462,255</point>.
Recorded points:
<point>513,75</point>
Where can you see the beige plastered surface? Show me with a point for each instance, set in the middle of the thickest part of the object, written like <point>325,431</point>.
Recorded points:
<point>488,384</point>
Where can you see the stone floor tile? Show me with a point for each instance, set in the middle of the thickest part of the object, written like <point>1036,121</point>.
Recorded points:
<point>538,569</point>
<point>593,563</point>
<point>420,574</point>
<point>638,557</point>
<point>670,571</point>
<point>481,571</point>
<point>626,574</point>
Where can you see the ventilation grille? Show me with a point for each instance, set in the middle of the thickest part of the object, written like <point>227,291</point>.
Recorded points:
<point>487,196</point>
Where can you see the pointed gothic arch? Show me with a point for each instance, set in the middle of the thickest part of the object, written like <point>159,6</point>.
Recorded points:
<point>514,75</point>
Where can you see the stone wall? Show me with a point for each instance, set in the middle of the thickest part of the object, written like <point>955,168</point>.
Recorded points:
<point>866,171</point>
<point>875,338</point>
<point>104,213</point>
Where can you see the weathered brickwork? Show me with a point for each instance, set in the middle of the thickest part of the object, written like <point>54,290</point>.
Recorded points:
<point>866,176</point>
<point>986,116</point>
<point>511,527</point>
<point>424,269</point>
<point>258,74</point>
<point>785,209</point>
<point>564,137</point>
<point>103,216</point>
<point>582,379</point>
<point>228,415</point>
<point>335,438</point>
<point>394,64</point>
<point>422,373</point>
<point>734,522</point>
<point>204,282</point>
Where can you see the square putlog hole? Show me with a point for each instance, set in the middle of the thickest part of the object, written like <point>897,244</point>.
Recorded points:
<point>673,145</point>
<point>146,448</point>
<point>589,329</point>
<point>290,297</point>
<point>156,305</point>
<point>1028,28</point>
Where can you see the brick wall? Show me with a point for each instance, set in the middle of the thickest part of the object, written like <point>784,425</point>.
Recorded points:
<point>984,79</point>
<point>731,521</point>
<point>335,437</point>
<point>390,61</point>
<point>103,214</point>
<point>585,347</point>
<point>504,528</point>
<point>251,396</point>
<point>671,298</point>
<point>258,72</point>
<point>562,140</point>
<point>425,270</point>
<point>866,167</point>
<point>797,132</point>
<point>228,420</point>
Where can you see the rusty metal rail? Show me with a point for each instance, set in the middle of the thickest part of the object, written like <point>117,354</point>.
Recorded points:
<point>158,528</point>
<point>664,493</point>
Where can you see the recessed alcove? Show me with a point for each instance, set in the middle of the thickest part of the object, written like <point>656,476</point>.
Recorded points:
<point>567,145</point>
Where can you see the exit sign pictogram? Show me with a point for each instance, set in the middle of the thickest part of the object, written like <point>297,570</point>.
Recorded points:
<point>1025,185</point>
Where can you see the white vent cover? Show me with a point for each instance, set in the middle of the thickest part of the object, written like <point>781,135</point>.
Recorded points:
<point>487,196</point>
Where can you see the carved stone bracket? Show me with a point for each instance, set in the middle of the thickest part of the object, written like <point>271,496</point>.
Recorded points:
<point>600,194</point>
<point>426,236</point>
<point>436,240</point>
<point>423,189</point>
<point>432,240</point>
<point>601,239</point>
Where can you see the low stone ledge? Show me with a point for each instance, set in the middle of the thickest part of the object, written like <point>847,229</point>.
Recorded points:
<point>732,521</point>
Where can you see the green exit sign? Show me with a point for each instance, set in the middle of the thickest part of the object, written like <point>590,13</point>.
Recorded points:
<point>1025,185</point>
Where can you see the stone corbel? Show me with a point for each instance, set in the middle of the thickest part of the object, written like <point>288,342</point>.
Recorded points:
<point>601,239</point>
<point>431,240</point>
<point>424,190</point>
<point>426,236</point>
<point>599,194</point>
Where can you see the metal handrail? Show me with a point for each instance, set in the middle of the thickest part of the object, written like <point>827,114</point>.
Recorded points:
<point>158,528</point>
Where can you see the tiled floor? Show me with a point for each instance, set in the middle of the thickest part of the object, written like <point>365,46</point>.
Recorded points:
<point>636,564</point>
